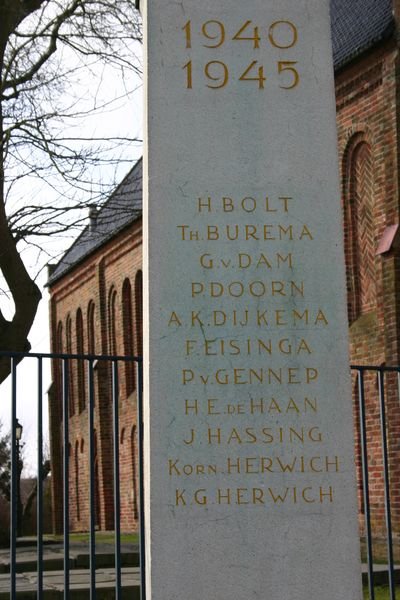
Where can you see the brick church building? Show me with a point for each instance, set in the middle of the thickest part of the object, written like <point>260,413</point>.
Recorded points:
<point>96,308</point>
<point>96,288</point>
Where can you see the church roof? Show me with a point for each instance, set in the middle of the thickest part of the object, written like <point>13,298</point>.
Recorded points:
<point>122,208</point>
<point>357,25</point>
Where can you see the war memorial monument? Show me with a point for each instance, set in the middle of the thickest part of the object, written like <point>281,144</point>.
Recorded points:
<point>249,461</point>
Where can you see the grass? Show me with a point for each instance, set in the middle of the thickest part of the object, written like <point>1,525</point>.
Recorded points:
<point>106,537</point>
<point>381,593</point>
<point>379,551</point>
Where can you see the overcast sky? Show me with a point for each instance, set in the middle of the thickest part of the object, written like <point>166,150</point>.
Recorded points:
<point>124,119</point>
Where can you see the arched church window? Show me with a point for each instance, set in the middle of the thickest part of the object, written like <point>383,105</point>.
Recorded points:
<point>59,347</point>
<point>128,335</point>
<point>80,362</point>
<point>77,498</point>
<point>91,328</point>
<point>134,459</point>
<point>112,326</point>
<point>71,398</point>
<point>359,229</point>
<point>139,312</point>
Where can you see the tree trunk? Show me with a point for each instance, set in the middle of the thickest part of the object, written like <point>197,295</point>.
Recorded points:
<point>25,293</point>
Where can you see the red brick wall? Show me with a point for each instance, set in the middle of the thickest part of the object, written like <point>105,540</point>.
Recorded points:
<point>94,282</point>
<point>366,95</point>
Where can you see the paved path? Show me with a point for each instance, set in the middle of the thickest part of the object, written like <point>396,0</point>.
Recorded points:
<point>381,576</point>
<point>53,584</point>
<point>53,577</point>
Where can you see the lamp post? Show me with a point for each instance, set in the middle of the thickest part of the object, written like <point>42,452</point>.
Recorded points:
<point>18,436</point>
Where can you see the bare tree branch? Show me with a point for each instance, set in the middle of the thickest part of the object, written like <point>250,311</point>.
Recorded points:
<point>52,52</point>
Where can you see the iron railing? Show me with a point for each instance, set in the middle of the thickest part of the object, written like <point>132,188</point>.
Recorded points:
<point>66,361</point>
<point>377,394</point>
<point>376,402</point>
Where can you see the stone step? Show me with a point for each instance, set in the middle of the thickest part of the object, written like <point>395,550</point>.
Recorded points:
<point>53,584</point>
<point>53,560</point>
<point>381,574</point>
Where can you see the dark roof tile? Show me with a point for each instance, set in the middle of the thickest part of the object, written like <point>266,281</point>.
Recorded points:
<point>122,208</point>
<point>357,25</point>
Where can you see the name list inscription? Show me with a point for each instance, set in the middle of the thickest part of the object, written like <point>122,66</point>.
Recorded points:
<point>278,430</point>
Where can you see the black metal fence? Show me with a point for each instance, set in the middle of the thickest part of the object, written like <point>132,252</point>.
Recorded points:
<point>65,367</point>
<point>377,411</point>
<point>377,416</point>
